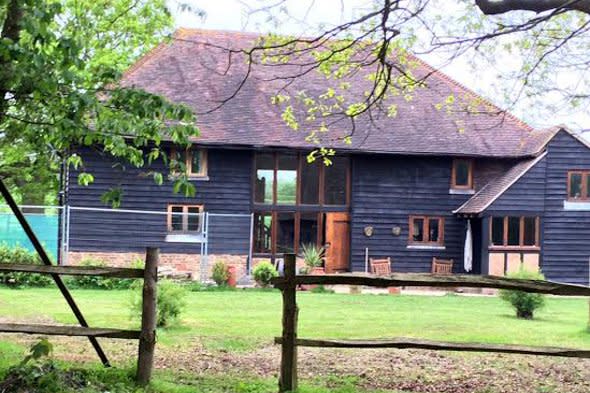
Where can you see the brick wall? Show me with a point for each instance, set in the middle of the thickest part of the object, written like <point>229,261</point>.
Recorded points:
<point>179,262</point>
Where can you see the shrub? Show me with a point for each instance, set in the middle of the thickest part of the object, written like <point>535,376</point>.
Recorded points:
<point>263,273</point>
<point>321,289</point>
<point>18,254</point>
<point>220,273</point>
<point>97,282</point>
<point>312,255</point>
<point>524,303</point>
<point>170,302</point>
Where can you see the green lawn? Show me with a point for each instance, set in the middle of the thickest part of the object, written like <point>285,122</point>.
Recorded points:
<point>247,318</point>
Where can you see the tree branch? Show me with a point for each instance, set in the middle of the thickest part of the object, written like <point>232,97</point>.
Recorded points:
<point>495,7</point>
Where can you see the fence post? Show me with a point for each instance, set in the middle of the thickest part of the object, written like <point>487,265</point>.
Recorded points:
<point>288,377</point>
<point>147,339</point>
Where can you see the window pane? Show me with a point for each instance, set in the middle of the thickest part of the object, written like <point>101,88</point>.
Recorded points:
<point>264,178</point>
<point>513,231</point>
<point>287,180</point>
<point>575,190</point>
<point>179,155</point>
<point>498,231</point>
<point>308,228</point>
<point>433,229</point>
<point>285,232</point>
<point>262,233</point>
<point>194,219</point>
<point>335,181</point>
<point>196,161</point>
<point>530,231</point>
<point>310,182</point>
<point>418,230</point>
<point>587,195</point>
<point>461,173</point>
<point>176,219</point>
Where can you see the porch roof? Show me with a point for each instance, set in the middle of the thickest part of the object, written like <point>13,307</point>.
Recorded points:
<point>479,202</point>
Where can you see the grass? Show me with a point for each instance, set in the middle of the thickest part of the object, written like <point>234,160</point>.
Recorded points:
<point>238,320</point>
<point>245,320</point>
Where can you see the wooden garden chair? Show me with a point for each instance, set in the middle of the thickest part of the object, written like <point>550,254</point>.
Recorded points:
<point>442,266</point>
<point>380,267</point>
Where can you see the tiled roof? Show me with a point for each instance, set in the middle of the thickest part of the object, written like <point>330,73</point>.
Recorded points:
<point>496,187</point>
<point>195,69</point>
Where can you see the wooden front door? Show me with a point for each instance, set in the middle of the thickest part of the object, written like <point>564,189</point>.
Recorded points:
<point>337,242</point>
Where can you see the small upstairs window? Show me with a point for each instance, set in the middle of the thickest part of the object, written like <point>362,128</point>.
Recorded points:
<point>578,186</point>
<point>194,160</point>
<point>426,231</point>
<point>462,174</point>
<point>185,218</point>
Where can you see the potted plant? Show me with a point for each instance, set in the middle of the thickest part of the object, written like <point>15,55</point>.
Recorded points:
<point>313,256</point>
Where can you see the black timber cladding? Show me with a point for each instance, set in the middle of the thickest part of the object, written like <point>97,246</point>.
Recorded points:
<point>566,242</point>
<point>385,191</point>
<point>227,191</point>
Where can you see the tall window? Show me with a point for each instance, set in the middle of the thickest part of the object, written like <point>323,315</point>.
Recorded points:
<point>514,231</point>
<point>288,179</point>
<point>193,161</point>
<point>578,186</point>
<point>426,230</point>
<point>185,218</point>
<point>462,174</point>
<point>282,232</point>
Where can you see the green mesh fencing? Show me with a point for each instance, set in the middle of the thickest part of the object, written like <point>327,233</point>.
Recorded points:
<point>45,227</point>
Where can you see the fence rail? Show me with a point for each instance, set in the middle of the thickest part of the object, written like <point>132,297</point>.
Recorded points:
<point>147,334</point>
<point>110,272</point>
<point>430,280</point>
<point>289,340</point>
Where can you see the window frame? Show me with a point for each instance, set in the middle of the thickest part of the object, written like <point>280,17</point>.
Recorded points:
<point>185,216</point>
<point>584,197</point>
<point>425,225</point>
<point>302,160</point>
<point>454,185</point>
<point>521,228</point>
<point>297,228</point>
<point>188,161</point>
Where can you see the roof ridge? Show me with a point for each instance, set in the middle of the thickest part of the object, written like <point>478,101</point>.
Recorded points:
<point>182,31</point>
<point>446,78</point>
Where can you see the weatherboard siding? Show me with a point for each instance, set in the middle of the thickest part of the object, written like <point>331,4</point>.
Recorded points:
<point>566,237</point>
<point>227,191</point>
<point>385,192</point>
<point>525,196</point>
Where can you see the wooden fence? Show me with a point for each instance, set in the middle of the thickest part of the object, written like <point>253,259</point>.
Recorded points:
<point>289,340</point>
<point>147,334</point>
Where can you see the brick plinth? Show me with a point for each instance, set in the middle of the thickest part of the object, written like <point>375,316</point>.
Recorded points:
<point>179,262</point>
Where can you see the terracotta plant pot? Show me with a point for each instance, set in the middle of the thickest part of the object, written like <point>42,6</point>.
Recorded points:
<point>233,277</point>
<point>317,270</point>
<point>394,290</point>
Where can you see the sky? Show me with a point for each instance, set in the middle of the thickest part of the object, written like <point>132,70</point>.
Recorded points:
<point>308,15</point>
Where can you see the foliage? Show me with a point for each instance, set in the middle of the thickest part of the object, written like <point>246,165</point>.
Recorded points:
<point>220,273</point>
<point>313,255</point>
<point>524,303</point>
<point>321,289</point>
<point>263,273</point>
<point>97,282</point>
<point>60,66</point>
<point>170,302</point>
<point>18,254</point>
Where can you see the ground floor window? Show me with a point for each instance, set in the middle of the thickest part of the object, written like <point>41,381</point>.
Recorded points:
<point>185,218</point>
<point>514,231</point>
<point>425,230</point>
<point>285,232</point>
